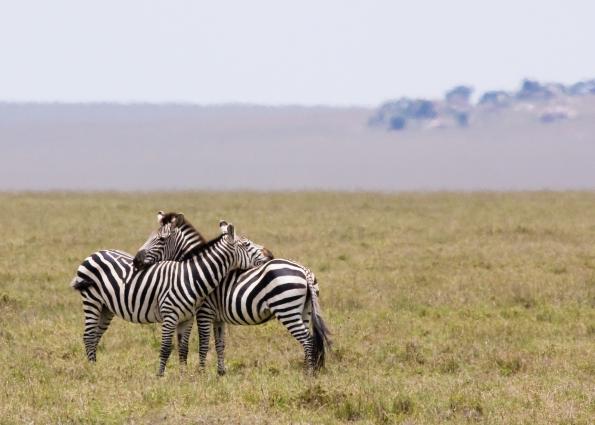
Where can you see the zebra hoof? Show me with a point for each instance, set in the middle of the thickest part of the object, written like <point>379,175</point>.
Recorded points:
<point>309,371</point>
<point>221,372</point>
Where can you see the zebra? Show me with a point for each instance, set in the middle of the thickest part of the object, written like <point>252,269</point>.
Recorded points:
<point>167,292</point>
<point>184,239</point>
<point>107,266</point>
<point>279,288</point>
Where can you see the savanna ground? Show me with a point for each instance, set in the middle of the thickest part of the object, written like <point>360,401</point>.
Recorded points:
<point>444,308</point>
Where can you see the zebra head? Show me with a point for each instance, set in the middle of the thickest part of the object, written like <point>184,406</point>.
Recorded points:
<point>171,241</point>
<point>247,253</point>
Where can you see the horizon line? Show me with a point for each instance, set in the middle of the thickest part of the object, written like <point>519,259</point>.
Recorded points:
<point>185,103</point>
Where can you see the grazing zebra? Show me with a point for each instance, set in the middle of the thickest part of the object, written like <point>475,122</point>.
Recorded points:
<point>280,288</point>
<point>167,292</point>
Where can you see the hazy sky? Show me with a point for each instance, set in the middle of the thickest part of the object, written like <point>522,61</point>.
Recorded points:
<point>335,52</point>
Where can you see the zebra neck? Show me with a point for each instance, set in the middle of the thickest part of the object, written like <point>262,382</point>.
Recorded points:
<point>211,264</point>
<point>189,241</point>
<point>186,248</point>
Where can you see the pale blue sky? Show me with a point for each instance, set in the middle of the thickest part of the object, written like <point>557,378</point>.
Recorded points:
<point>281,52</point>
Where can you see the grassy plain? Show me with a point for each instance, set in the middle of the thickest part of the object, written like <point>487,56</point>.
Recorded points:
<point>444,308</point>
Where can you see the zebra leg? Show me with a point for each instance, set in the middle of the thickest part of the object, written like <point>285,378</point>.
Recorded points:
<point>167,333</point>
<point>307,314</point>
<point>293,322</point>
<point>309,361</point>
<point>104,320</point>
<point>92,310</point>
<point>203,321</point>
<point>183,332</point>
<point>219,328</point>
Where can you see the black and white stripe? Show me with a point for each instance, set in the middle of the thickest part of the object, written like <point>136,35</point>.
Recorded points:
<point>109,268</point>
<point>280,288</point>
<point>167,292</point>
<point>173,240</point>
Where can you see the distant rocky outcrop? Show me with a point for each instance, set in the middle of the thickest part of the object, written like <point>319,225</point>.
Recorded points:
<point>544,102</point>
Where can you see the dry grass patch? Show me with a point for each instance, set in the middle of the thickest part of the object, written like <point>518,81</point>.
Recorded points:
<point>444,308</point>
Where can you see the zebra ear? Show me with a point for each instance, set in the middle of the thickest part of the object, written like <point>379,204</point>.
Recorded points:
<point>227,229</point>
<point>178,220</point>
<point>160,217</point>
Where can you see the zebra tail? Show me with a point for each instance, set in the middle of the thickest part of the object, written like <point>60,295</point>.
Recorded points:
<point>320,331</point>
<point>80,284</point>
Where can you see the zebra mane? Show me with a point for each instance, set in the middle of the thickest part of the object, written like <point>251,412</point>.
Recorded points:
<point>200,248</point>
<point>168,217</point>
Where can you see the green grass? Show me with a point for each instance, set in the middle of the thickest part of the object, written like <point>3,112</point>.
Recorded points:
<point>444,308</point>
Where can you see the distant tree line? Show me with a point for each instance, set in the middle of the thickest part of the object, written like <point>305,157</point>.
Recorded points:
<point>456,106</point>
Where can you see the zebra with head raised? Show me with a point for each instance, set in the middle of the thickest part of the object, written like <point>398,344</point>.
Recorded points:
<point>279,288</point>
<point>167,292</point>
<point>109,267</point>
<point>182,238</point>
